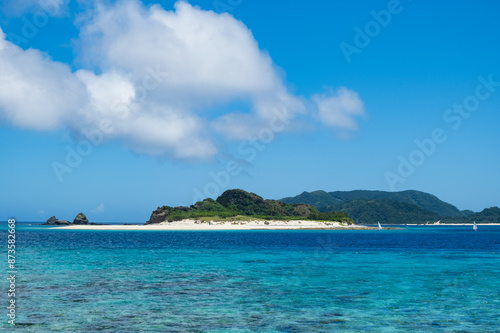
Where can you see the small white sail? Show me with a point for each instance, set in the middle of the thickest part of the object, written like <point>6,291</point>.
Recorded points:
<point>379,226</point>
<point>475,226</point>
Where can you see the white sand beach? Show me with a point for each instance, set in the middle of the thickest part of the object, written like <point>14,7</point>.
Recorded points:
<point>222,225</point>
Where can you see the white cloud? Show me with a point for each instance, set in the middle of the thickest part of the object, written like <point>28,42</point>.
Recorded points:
<point>147,126</point>
<point>339,110</point>
<point>160,78</point>
<point>204,60</point>
<point>40,94</point>
<point>151,133</point>
<point>98,209</point>
<point>209,57</point>
<point>36,92</point>
<point>110,93</point>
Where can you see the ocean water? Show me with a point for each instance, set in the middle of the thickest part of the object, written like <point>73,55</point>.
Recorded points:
<point>416,279</point>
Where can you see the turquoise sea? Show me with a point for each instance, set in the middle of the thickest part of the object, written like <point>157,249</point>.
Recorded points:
<point>415,279</point>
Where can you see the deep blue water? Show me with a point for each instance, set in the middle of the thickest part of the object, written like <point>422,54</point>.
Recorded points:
<point>422,279</point>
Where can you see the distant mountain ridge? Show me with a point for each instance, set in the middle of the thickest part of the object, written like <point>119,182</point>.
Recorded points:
<point>488,215</point>
<point>326,200</point>
<point>365,206</point>
<point>387,212</point>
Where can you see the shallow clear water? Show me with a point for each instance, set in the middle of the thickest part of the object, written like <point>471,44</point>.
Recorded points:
<point>422,279</point>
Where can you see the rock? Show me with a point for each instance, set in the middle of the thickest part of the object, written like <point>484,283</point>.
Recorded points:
<point>81,219</point>
<point>158,215</point>
<point>54,221</point>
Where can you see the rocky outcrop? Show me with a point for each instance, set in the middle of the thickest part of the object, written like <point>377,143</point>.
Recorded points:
<point>81,219</point>
<point>54,221</point>
<point>158,216</point>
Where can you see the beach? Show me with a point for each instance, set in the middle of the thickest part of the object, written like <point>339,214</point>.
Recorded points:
<point>222,225</point>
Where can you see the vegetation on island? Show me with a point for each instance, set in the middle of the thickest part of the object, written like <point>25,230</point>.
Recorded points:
<point>241,205</point>
<point>335,200</point>
<point>405,207</point>
<point>388,212</point>
<point>364,207</point>
<point>80,219</point>
<point>488,215</point>
<point>81,216</point>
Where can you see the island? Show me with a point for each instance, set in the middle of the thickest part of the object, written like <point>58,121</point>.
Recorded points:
<point>80,219</point>
<point>237,209</point>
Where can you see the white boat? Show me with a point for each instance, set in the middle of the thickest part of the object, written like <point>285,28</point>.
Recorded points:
<point>474,228</point>
<point>379,226</point>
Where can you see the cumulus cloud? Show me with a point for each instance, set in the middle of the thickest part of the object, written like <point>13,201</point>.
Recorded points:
<point>160,78</point>
<point>203,59</point>
<point>208,57</point>
<point>340,110</point>
<point>36,92</point>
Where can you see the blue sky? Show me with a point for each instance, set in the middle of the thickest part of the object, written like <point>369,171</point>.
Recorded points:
<point>113,108</point>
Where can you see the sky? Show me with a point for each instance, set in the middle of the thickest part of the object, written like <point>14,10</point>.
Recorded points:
<point>116,107</point>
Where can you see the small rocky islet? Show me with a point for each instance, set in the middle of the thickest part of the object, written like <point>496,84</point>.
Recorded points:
<point>55,221</point>
<point>80,218</point>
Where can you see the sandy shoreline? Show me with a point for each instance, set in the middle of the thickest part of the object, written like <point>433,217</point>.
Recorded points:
<point>245,225</point>
<point>229,225</point>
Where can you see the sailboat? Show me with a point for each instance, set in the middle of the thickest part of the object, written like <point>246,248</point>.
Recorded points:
<point>379,226</point>
<point>474,228</point>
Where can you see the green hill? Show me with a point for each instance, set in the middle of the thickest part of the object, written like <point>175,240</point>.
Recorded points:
<point>241,204</point>
<point>387,207</point>
<point>488,215</point>
<point>387,212</point>
<point>468,212</point>
<point>333,200</point>
<point>421,199</point>
<point>322,200</point>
